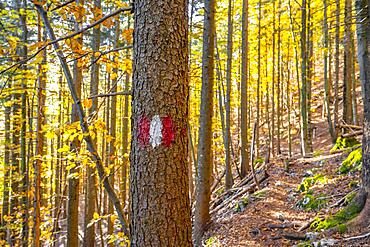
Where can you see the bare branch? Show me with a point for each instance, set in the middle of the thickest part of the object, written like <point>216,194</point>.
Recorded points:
<point>110,94</point>
<point>68,36</point>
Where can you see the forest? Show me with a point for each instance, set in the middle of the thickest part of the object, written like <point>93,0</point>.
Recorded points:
<point>184,123</point>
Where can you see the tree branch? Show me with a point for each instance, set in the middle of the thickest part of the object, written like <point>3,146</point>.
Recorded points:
<point>68,36</point>
<point>110,94</point>
<point>84,126</point>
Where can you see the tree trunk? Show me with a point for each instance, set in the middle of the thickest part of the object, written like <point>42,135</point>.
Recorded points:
<point>40,141</point>
<point>336,84</point>
<point>229,175</point>
<point>244,94</point>
<point>278,110</point>
<point>326,81</point>
<point>258,107</point>
<point>205,161</point>
<point>304,124</point>
<point>89,231</point>
<point>74,179</point>
<point>160,206</point>
<point>348,64</point>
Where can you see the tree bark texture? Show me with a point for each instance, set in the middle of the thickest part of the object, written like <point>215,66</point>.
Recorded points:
<point>160,206</point>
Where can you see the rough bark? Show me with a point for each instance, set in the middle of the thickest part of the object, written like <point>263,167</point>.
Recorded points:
<point>160,206</point>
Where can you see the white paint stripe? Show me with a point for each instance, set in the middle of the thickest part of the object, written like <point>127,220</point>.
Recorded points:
<point>155,131</point>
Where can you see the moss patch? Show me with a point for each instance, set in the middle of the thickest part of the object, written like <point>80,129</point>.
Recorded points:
<point>343,143</point>
<point>352,163</point>
<point>308,182</point>
<point>310,202</point>
<point>340,218</point>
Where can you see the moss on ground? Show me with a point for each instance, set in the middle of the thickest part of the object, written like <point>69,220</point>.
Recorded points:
<point>340,218</point>
<point>352,162</point>
<point>343,143</point>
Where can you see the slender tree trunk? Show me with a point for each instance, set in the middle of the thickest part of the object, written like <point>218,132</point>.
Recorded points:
<point>6,191</point>
<point>244,93</point>
<point>336,83</point>
<point>288,103</point>
<point>205,161</point>
<point>326,81</point>
<point>279,70</point>
<point>354,84</point>
<point>304,123</point>
<point>160,206</point>
<point>258,107</point>
<point>347,70</point>
<point>89,231</point>
<point>112,127</point>
<point>74,179</point>
<point>310,76</point>
<point>273,81</point>
<point>229,175</point>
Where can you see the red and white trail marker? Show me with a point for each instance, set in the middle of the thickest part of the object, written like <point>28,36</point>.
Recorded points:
<point>157,131</point>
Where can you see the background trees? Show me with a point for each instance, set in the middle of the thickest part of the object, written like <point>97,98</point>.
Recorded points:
<point>289,66</point>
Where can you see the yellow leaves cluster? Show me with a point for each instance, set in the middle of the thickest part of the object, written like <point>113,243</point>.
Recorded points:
<point>121,4</point>
<point>127,35</point>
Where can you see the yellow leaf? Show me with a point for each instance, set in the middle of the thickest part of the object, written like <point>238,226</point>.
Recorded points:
<point>96,216</point>
<point>50,135</point>
<point>87,103</point>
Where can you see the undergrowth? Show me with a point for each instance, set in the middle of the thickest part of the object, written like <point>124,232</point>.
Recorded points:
<point>340,218</point>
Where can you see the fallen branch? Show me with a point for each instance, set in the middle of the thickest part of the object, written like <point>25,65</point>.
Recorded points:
<point>218,180</point>
<point>279,226</point>
<point>349,126</point>
<point>357,237</point>
<point>354,133</point>
<point>241,191</point>
<point>295,236</point>
<point>83,121</point>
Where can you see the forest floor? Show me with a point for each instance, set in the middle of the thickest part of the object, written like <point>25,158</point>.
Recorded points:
<point>273,215</point>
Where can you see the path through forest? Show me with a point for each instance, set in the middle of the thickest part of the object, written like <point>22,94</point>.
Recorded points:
<point>274,212</point>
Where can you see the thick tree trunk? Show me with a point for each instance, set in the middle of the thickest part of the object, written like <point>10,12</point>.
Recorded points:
<point>160,206</point>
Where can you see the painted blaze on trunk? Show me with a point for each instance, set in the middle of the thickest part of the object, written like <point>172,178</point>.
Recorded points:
<point>160,208</point>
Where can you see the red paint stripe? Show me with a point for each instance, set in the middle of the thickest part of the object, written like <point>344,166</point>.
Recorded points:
<point>144,127</point>
<point>168,134</point>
